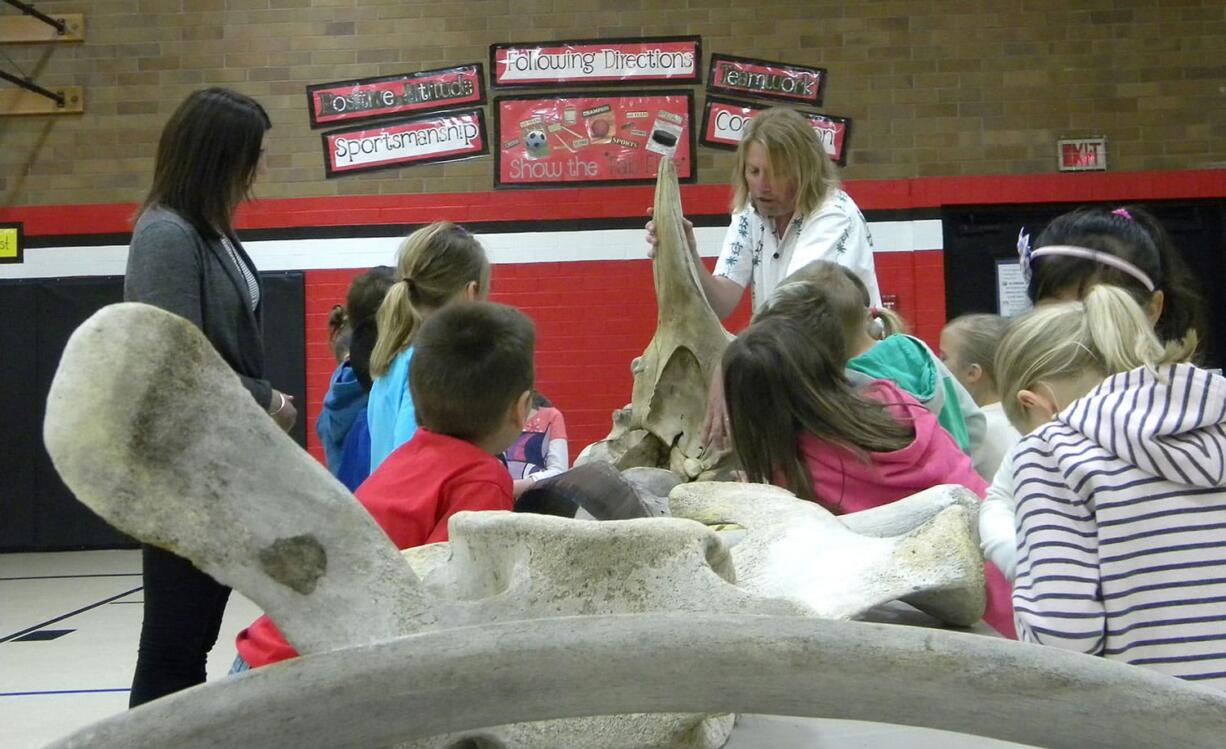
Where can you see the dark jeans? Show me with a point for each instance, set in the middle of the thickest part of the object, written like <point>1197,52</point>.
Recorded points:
<point>183,610</point>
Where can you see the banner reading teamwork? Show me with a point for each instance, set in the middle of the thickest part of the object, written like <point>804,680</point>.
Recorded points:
<point>724,123</point>
<point>592,138</point>
<point>762,79</point>
<point>447,136</point>
<point>676,59</point>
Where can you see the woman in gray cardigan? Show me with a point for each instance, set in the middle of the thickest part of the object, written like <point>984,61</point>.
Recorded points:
<point>186,258</point>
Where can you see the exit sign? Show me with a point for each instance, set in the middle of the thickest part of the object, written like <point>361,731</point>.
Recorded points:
<point>1082,154</point>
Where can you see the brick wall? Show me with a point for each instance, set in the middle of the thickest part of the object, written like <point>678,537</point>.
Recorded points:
<point>935,88</point>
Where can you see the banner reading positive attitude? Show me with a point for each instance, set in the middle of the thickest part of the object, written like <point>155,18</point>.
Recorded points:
<point>410,93</point>
<point>671,59</point>
<point>595,139</point>
<point>724,123</point>
<point>745,76</point>
<point>446,136</point>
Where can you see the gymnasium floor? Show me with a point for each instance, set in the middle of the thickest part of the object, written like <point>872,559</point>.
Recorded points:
<point>69,624</point>
<point>70,621</point>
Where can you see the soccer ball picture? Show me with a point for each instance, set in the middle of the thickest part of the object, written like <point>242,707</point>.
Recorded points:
<point>536,143</point>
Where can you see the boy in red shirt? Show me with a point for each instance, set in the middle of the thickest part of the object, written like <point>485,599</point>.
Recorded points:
<point>471,381</point>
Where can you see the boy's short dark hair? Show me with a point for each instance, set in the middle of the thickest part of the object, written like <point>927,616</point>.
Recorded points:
<point>471,360</point>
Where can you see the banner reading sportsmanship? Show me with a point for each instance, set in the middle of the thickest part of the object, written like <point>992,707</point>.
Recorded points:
<point>595,139</point>
<point>724,123</point>
<point>447,136</point>
<point>369,98</point>
<point>664,59</point>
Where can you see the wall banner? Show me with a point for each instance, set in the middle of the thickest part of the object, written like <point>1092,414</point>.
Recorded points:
<point>410,93</point>
<point>724,122</point>
<point>11,249</point>
<point>604,138</point>
<point>661,59</point>
<point>446,136</point>
<point>760,79</point>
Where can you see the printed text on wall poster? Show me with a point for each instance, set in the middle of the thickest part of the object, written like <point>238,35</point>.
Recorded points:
<point>724,122</point>
<point>597,61</point>
<point>592,138</point>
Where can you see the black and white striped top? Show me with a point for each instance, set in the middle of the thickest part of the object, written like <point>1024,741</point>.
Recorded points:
<point>253,286</point>
<point>1121,524</point>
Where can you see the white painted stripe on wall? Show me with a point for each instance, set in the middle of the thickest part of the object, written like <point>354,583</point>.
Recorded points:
<point>503,248</point>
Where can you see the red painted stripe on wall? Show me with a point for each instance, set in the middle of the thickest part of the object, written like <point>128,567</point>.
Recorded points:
<point>618,202</point>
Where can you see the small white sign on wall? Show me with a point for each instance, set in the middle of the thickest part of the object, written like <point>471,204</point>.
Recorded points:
<point>1011,299</point>
<point>1082,154</point>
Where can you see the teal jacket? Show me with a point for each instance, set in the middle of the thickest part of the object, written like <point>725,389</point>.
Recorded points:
<point>911,365</point>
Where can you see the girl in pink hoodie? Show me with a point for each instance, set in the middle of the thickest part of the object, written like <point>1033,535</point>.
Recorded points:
<point>798,423</point>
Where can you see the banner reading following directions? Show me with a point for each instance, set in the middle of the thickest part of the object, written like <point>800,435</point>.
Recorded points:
<point>724,123</point>
<point>410,93</point>
<point>581,62</point>
<point>446,136</point>
<point>593,138</point>
<point>745,76</point>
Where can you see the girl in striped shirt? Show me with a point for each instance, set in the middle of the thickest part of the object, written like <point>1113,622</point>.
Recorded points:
<point>1126,248</point>
<point>1120,488</point>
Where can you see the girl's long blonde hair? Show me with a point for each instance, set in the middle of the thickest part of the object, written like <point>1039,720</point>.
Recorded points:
<point>433,264</point>
<point>795,153</point>
<point>1105,333</point>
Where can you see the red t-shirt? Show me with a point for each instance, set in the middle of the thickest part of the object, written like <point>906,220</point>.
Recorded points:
<point>411,495</point>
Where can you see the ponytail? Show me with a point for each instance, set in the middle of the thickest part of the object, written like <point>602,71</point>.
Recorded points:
<point>1119,332</point>
<point>397,321</point>
<point>434,264</point>
<point>885,322</point>
<point>1106,333</point>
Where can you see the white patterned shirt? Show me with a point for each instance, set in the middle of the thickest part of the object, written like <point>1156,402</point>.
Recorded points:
<point>835,231</point>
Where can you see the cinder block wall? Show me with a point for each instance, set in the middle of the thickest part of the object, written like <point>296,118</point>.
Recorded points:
<point>935,88</point>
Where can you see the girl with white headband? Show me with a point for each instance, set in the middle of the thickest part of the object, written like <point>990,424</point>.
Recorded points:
<point>1125,248</point>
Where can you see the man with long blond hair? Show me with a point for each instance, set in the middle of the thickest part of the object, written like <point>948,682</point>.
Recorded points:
<point>787,211</point>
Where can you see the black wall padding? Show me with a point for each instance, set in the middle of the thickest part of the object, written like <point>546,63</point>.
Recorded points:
<point>37,512</point>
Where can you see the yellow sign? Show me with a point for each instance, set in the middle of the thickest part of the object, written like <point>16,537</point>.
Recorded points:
<point>10,247</point>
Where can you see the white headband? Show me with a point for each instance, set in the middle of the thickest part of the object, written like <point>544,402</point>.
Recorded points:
<point>1098,257</point>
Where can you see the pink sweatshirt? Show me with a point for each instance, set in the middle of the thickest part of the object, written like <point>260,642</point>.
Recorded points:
<point>844,483</point>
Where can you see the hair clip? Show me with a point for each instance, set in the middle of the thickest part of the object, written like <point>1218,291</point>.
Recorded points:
<point>1123,213</point>
<point>1023,252</point>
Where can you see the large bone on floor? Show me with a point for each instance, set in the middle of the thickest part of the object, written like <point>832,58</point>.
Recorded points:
<point>512,567</point>
<point>672,377</point>
<point>151,429</point>
<point>798,550</point>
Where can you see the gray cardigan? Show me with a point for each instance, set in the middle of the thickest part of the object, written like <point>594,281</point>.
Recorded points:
<point>170,265</point>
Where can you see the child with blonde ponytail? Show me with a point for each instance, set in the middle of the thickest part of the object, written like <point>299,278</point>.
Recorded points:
<point>436,265</point>
<point>1120,488</point>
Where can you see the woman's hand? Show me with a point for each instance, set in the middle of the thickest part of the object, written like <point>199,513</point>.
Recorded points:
<point>285,414</point>
<point>716,432</point>
<point>652,240</point>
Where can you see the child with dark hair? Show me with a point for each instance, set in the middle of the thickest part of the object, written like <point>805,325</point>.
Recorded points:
<point>471,383</point>
<point>342,421</point>
<point>797,422</point>
<point>1126,248</point>
<point>878,349</point>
